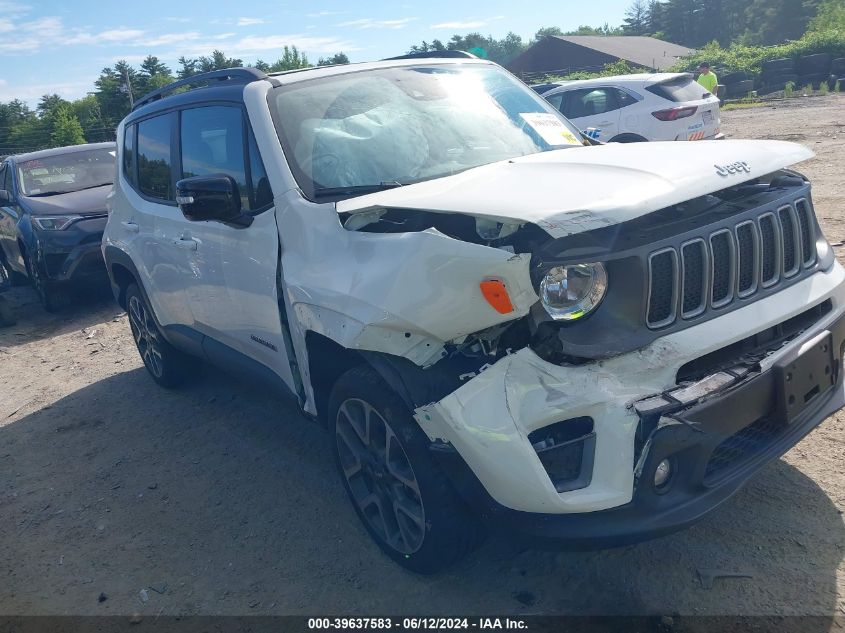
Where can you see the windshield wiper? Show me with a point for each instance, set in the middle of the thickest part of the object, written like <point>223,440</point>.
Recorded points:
<point>42,194</point>
<point>354,190</point>
<point>102,184</point>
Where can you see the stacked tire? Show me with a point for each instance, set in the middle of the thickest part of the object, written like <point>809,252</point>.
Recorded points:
<point>737,84</point>
<point>777,73</point>
<point>837,72</point>
<point>814,69</point>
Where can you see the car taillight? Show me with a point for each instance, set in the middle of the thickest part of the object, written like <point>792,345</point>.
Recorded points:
<point>673,114</point>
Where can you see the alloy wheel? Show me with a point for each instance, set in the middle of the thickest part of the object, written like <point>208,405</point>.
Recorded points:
<point>381,480</point>
<point>146,336</point>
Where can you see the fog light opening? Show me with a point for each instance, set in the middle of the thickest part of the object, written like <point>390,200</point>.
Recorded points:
<point>663,475</point>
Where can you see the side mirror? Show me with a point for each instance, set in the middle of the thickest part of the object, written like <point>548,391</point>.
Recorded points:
<point>4,196</point>
<point>211,198</point>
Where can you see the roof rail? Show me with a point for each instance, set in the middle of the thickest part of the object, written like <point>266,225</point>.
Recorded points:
<point>237,75</point>
<point>433,54</point>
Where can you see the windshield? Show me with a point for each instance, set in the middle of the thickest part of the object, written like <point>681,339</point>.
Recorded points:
<point>353,133</point>
<point>64,173</point>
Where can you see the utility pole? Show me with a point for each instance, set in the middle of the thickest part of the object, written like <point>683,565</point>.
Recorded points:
<point>127,87</point>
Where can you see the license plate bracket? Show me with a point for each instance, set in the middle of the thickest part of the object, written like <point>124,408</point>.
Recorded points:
<point>707,117</point>
<point>805,376</point>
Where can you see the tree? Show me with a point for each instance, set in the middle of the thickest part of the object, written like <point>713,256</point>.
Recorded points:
<point>636,19</point>
<point>605,29</point>
<point>153,75</point>
<point>94,127</point>
<point>831,15</point>
<point>216,61</point>
<point>337,58</point>
<point>291,59</point>
<point>546,31</point>
<point>775,21</point>
<point>425,47</point>
<point>66,129</point>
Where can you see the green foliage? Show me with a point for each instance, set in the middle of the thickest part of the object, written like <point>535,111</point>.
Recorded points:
<point>824,88</point>
<point>808,90</point>
<point>546,31</point>
<point>66,129</point>
<point>500,51</point>
<point>789,89</point>
<point>836,86</point>
<point>609,70</point>
<point>337,58</point>
<point>291,59</point>
<point>830,16</point>
<point>751,58</point>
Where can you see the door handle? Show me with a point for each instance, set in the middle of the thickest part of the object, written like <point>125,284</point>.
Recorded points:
<point>188,243</point>
<point>132,227</point>
<point>605,122</point>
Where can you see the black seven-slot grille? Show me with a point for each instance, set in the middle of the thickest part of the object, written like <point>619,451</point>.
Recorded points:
<point>712,271</point>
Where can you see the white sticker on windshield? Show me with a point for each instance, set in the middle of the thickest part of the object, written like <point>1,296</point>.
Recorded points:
<point>550,128</point>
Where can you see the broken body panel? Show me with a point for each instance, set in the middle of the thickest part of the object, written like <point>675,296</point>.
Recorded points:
<point>412,298</point>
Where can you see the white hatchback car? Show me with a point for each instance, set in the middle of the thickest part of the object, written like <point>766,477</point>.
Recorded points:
<point>642,107</point>
<point>498,324</point>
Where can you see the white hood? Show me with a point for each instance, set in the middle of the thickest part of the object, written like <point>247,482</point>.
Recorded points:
<point>580,189</point>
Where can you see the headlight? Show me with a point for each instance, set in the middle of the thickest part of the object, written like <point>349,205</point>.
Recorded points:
<point>571,292</point>
<point>55,222</point>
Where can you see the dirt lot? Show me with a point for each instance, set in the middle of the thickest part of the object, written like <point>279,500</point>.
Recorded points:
<point>218,499</point>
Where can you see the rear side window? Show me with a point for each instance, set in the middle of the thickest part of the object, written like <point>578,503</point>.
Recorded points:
<point>154,157</point>
<point>556,100</point>
<point>679,89</point>
<point>129,171</point>
<point>212,141</point>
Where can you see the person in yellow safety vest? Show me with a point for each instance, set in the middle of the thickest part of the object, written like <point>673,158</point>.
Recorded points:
<point>707,78</point>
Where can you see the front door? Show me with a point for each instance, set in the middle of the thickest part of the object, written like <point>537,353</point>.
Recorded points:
<point>234,297</point>
<point>594,110</point>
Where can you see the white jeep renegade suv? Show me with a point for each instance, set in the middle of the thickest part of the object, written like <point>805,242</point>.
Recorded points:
<point>501,325</point>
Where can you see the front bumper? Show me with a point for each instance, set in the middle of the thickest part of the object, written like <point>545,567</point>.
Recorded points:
<point>699,449</point>
<point>480,432</point>
<point>73,254</point>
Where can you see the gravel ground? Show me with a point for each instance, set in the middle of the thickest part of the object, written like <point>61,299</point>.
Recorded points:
<point>219,499</point>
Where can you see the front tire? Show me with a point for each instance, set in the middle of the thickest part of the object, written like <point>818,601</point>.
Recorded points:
<point>168,366</point>
<point>403,499</point>
<point>53,297</point>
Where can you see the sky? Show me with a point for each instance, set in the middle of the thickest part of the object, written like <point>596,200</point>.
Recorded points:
<point>57,46</point>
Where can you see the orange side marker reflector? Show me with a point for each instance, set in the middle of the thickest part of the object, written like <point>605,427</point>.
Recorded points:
<point>497,295</point>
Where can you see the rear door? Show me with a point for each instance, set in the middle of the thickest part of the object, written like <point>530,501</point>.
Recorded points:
<point>234,297</point>
<point>594,110</point>
<point>159,233</point>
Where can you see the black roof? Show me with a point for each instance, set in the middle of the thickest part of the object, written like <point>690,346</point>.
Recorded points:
<point>55,151</point>
<point>222,85</point>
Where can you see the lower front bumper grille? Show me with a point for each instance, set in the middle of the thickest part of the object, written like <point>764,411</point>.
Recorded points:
<point>742,446</point>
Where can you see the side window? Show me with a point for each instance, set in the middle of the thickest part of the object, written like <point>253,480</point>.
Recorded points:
<point>212,139</point>
<point>262,195</point>
<point>7,178</point>
<point>129,171</point>
<point>624,98</point>
<point>154,157</point>
<point>556,100</point>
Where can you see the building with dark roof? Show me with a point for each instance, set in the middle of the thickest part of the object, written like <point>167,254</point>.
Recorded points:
<point>562,54</point>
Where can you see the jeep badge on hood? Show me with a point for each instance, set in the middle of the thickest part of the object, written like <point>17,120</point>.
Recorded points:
<point>733,168</point>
